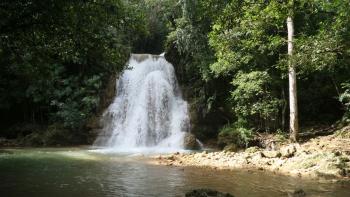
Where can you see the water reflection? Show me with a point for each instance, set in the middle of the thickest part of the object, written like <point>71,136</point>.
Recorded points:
<point>75,172</point>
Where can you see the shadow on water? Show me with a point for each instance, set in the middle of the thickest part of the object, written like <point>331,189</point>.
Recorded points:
<point>79,172</point>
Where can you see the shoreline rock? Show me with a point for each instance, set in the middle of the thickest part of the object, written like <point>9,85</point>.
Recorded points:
<point>207,193</point>
<point>190,142</point>
<point>323,157</point>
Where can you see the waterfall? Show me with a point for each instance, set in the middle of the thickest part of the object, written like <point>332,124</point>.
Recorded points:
<point>148,110</point>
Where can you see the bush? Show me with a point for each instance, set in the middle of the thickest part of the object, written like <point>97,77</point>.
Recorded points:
<point>53,135</point>
<point>231,134</point>
<point>33,139</point>
<point>253,101</point>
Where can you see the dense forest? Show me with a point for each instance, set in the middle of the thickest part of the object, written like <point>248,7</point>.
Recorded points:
<point>59,58</point>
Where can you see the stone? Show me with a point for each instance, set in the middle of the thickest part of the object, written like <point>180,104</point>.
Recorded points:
<point>231,148</point>
<point>253,149</point>
<point>288,151</point>
<point>171,158</point>
<point>343,172</point>
<point>190,142</point>
<point>297,193</point>
<point>207,193</point>
<point>256,156</point>
<point>336,153</point>
<point>270,154</point>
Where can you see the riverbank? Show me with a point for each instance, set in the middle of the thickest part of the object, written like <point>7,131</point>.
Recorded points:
<point>321,157</point>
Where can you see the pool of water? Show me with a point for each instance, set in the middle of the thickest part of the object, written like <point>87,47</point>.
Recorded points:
<point>82,172</point>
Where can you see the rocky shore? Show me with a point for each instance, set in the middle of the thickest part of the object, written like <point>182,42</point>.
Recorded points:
<point>321,157</point>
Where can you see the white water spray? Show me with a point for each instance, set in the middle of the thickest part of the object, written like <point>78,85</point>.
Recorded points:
<point>148,111</point>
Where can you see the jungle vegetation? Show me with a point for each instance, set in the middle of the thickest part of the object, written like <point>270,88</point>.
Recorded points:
<point>231,58</point>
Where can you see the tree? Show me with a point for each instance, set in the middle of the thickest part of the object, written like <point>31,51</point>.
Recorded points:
<point>293,100</point>
<point>57,57</point>
<point>251,36</point>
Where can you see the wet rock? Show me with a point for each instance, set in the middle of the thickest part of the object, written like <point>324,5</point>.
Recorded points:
<point>270,154</point>
<point>231,148</point>
<point>288,151</point>
<point>190,142</point>
<point>297,193</point>
<point>207,193</point>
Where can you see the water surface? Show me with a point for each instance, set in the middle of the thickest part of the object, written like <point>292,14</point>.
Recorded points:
<point>81,172</point>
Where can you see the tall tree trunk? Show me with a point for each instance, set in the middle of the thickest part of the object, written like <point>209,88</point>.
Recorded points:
<point>293,104</point>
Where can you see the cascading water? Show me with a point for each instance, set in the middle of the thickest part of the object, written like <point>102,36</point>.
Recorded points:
<point>148,110</point>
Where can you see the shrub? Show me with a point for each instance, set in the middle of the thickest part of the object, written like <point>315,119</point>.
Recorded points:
<point>345,99</point>
<point>231,134</point>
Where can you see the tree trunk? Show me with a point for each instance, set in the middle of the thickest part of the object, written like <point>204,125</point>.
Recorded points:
<point>293,104</point>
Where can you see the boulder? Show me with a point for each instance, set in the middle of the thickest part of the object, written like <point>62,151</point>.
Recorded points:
<point>270,154</point>
<point>253,149</point>
<point>190,142</point>
<point>297,193</point>
<point>231,148</point>
<point>207,193</point>
<point>288,151</point>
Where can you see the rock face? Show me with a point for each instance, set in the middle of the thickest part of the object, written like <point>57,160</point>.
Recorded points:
<point>190,142</point>
<point>207,193</point>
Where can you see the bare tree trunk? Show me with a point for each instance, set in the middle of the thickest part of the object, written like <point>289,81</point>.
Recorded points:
<point>293,102</point>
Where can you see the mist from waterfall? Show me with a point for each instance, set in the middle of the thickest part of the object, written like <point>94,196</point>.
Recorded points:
<point>148,111</point>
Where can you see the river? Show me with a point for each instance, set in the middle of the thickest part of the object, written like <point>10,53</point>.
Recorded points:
<point>85,172</point>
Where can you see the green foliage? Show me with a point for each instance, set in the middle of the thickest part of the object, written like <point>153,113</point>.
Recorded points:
<point>281,136</point>
<point>234,134</point>
<point>345,99</point>
<point>56,57</point>
<point>54,135</point>
<point>75,102</point>
<point>247,35</point>
<point>344,132</point>
<point>190,36</point>
<point>252,99</point>
<point>230,57</point>
<point>233,55</point>
<point>159,17</point>
<point>187,47</point>
<point>249,39</point>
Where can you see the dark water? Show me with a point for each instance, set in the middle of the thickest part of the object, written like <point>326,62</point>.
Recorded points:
<point>81,173</point>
